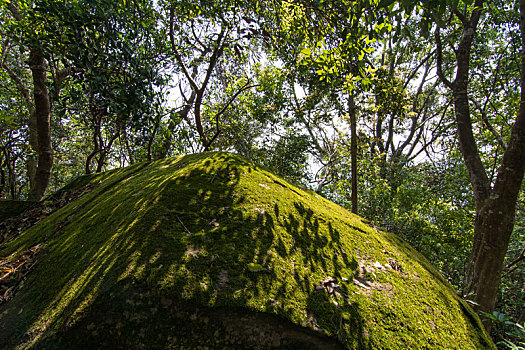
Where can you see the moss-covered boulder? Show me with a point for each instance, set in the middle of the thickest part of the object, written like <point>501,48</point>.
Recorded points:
<point>210,251</point>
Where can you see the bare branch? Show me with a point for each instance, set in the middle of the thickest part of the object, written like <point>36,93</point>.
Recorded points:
<point>414,72</point>
<point>230,101</point>
<point>217,52</point>
<point>205,49</point>
<point>434,134</point>
<point>415,118</point>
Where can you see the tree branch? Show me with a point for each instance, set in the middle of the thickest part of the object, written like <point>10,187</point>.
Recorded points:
<point>415,118</point>
<point>414,72</point>
<point>230,101</point>
<point>521,257</point>
<point>439,59</point>
<point>223,109</point>
<point>489,126</point>
<point>434,134</point>
<point>176,53</point>
<point>217,52</point>
<point>205,49</point>
<point>15,11</point>
<point>460,16</point>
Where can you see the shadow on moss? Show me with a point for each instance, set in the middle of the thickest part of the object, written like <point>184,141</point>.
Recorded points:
<point>157,248</point>
<point>181,227</point>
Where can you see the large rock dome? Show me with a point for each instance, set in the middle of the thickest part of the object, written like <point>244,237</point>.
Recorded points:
<point>210,251</point>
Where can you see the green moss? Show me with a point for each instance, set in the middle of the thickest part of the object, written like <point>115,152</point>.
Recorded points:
<point>214,231</point>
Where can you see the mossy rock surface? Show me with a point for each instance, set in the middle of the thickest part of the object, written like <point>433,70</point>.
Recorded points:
<point>210,251</point>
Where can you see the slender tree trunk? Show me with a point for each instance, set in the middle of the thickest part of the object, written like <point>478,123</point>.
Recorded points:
<point>182,115</point>
<point>105,151</point>
<point>10,174</point>
<point>96,146</point>
<point>2,181</point>
<point>42,113</point>
<point>32,163</point>
<point>353,149</point>
<point>124,134</point>
<point>152,138</point>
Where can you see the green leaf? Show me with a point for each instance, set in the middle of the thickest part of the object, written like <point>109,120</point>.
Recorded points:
<point>253,267</point>
<point>306,52</point>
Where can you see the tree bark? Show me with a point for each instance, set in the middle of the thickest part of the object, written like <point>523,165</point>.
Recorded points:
<point>495,214</point>
<point>353,149</point>
<point>43,126</point>
<point>495,206</point>
<point>39,171</point>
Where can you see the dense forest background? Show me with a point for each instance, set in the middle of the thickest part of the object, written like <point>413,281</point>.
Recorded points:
<point>405,112</point>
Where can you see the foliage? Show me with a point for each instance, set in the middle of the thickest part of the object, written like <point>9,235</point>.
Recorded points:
<point>505,328</point>
<point>518,334</point>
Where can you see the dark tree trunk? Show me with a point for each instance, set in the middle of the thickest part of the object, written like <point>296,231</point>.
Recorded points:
<point>495,214</point>
<point>11,176</point>
<point>42,114</point>
<point>2,181</point>
<point>39,169</point>
<point>353,149</point>
<point>105,151</point>
<point>495,206</point>
<point>32,162</point>
<point>96,119</point>
<point>123,134</point>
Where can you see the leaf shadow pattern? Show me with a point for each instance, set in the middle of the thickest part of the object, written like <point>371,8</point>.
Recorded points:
<point>132,258</point>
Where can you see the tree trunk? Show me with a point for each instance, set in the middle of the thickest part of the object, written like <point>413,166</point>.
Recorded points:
<point>2,180</point>
<point>38,171</point>
<point>105,151</point>
<point>492,231</point>
<point>353,149</point>
<point>495,206</point>
<point>32,163</point>
<point>43,126</point>
<point>181,115</point>
<point>495,215</point>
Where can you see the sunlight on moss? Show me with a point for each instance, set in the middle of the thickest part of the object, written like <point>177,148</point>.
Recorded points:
<point>214,230</point>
